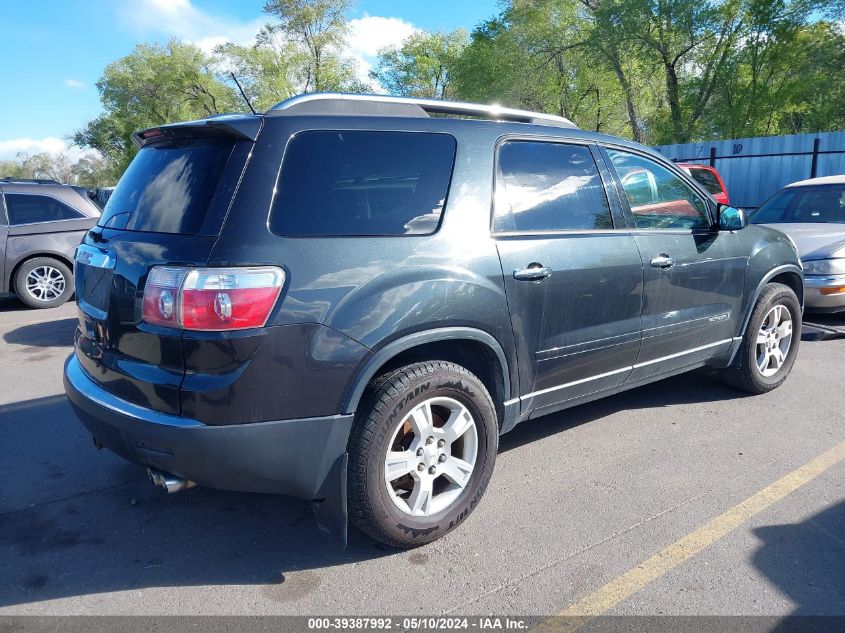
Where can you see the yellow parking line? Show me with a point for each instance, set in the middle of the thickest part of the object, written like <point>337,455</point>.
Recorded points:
<point>635,579</point>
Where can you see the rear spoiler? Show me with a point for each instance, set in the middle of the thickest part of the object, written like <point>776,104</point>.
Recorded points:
<point>237,126</point>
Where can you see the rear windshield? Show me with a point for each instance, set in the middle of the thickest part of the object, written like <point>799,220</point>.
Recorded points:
<point>363,183</point>
<point>801,205</point>
<point>168,188</point>
<point>706,178</point>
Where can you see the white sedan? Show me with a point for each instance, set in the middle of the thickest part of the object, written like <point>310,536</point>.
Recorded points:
<point>812,213</point>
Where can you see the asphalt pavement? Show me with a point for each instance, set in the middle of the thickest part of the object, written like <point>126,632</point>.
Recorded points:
<point>579,503</point>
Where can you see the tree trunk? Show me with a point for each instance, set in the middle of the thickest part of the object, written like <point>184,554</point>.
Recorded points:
<point>636,131</point>
<point>673,94</point>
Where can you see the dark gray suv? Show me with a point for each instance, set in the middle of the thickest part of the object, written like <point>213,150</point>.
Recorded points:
<point>41,224</point>
<point>348,300</point>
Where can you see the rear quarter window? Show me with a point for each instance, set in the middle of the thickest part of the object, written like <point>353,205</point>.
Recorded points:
<point>168,188</point>
<point>360,183</point>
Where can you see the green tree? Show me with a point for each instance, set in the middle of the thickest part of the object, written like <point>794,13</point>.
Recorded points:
<point>539,56</point>
<point>268,69</point>
<point>153,85</point>
<point>762,94</point>
<point>12,169</point>
<point>689,41</point>
<point>318,29</point>
<point>422,65</point>
<point>90,170</point>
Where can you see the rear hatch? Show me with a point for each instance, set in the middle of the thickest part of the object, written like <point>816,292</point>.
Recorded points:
<point>168,208</point>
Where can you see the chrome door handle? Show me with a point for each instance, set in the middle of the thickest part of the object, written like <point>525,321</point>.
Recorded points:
<point>663,261</point>
<point>534,272</point>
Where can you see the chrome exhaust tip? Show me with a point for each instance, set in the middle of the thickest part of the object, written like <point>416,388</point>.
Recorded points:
<point>171,483</point>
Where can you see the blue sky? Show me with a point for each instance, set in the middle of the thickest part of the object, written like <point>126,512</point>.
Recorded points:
<point>54,51</point>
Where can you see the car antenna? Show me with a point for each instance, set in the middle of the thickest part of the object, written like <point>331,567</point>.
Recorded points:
<point>243,94</point>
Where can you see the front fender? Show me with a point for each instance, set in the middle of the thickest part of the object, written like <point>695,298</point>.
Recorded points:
<point>772,255</point>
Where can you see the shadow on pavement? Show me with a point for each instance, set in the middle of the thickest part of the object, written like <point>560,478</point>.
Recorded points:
<point>683,389</point>
<point>10,303</point>
<point>58,333</point>
<point>806,561</point>
<point>77,521</point>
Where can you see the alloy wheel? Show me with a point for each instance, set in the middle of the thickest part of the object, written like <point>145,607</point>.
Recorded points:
<point>431,457</point>
<point>774,340</point>
<point>45,283</point>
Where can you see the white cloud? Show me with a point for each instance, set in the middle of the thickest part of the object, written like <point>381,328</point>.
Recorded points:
<point>369,35</point>
<point>52,145</point>
<point>182,20</point>
<point>74,83</point>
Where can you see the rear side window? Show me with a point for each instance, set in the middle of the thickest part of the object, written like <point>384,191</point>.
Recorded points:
<point>24,208</point>
<point>707,179</point>
<point>357,183</point>
<point>168,188</point>
<point>543,186</point>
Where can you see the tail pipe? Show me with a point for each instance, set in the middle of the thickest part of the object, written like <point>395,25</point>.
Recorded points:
<point>171,483</point>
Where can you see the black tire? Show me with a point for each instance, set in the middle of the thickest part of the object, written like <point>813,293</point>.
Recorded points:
<point>387,403</point>
<point>745,374</point>
<point>40,262</point>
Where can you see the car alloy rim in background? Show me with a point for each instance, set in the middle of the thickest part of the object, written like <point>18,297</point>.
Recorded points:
<point>45,283</point>
<point>431,457</point>
<point>774,340</point>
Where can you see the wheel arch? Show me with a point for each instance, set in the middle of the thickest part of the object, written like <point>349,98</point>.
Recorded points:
<point>787,274</point>
<point>476,350</point>
<point>10,279</point>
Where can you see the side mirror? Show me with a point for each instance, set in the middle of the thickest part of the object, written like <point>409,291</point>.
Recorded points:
<point>731,218</point>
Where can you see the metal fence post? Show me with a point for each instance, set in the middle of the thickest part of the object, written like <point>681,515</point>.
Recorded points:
<point>712,156</point>
<point>815,162</point>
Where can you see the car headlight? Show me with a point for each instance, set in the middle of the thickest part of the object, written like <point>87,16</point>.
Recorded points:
<point>825,267</point>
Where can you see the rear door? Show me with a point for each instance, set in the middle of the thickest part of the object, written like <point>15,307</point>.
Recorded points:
<point>573,275</point>
<point>694,274</point>
<point>167,209</point>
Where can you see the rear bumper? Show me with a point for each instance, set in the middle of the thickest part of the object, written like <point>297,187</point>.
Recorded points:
<point>292,457</point>
<point>815,301</point>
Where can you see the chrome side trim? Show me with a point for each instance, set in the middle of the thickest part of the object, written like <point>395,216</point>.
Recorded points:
<point>679,354</point>
<point>623,369</point>
<point>568,384</point>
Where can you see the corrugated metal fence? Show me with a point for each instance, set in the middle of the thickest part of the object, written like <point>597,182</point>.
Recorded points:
<point>755,168</point>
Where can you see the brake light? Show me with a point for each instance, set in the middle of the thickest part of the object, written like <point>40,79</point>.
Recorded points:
<point>211,298</point>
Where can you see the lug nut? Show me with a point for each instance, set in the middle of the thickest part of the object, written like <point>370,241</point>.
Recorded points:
<point>441,443</point>
<point>432,470</point>
<point>429,440</point>
<point>419,452</point>
<point>442,458</point>
<point>421,467</point>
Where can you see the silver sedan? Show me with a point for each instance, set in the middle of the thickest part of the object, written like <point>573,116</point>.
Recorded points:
<point>812,213</point>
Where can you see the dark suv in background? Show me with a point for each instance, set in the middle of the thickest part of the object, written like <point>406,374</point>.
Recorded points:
<point>41,224</point>
<point>348,300</point>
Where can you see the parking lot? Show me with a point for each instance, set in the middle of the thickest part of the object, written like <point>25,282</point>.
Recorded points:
<point>577,502</point>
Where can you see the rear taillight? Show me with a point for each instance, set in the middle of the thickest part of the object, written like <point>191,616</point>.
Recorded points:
<point>211,298</point>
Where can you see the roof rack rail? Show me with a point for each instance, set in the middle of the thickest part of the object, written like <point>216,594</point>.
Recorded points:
<point>38,181</point>
<point>337,103</point>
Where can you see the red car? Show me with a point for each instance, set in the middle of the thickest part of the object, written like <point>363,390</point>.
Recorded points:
<point>709,178</point>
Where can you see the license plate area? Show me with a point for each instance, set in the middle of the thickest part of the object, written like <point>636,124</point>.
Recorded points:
<point>94,269</point>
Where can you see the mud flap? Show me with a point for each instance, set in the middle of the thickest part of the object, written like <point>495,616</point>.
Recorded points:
<point>330,511</point>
